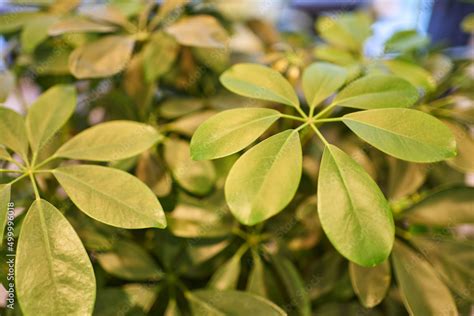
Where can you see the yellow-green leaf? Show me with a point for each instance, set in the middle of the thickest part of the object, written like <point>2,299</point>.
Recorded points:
<point>111,196</point>
<point>354,213</point>
<point>230,131</point>
<point>13,132</point>
<point>77,24</point>
<point>200,31</point>
<point>416,75</point>
<point>404,133</point>
<point>53,273</point>
<point>370,284</point>
<point>265,179</point>
<point>114,140</point>
<point>49,113</point>
<point>377,91</point>
<point>102,58</point>
<point>259,82</point>
<point>5,192</point>
<point>159,55</point>
<point>35,31</point>
<point>422,291</point>
<point>320,80</point>
<point>11,22</point>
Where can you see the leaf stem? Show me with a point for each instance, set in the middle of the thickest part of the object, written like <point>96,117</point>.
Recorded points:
<point>35,187</point>
<point>302,126</point>
<point>335,119</point>
<point>10,170</point>
<point>301,112</point>
<point>44,162</point>
<point>292,117</point>
<point>18,179</point>
<point>324,111</point>
<point>318,133</point>
<point>44,171</point>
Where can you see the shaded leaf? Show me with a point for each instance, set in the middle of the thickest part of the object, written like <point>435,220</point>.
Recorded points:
<point>159,55</point>
<point>370,284</point>
<point>11,22</point>
<point>102,58</point>
<point>130,262</point>
<point>13,132</point>
<point>77,24</point>
<point>5,192</point>
<point>465,148</point>
<point>413,73</point>
<point>227,275</point>
<point>200,31</point>
<point>422,291</point>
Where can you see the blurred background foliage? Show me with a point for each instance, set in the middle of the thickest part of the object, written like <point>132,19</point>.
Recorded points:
<point>159,63</point>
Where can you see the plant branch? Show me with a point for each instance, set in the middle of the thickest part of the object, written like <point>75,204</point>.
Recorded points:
<point>318,133</point>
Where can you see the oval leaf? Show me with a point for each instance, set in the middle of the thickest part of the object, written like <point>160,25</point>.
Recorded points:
<point>109,141</point>
<point>445,208</point>
<point>77,24</point>
<point>220,303</point>
<point>422,291</point>
<point>230,131</point>
<point>13,132</point>
<point>197,177</point>
<point>60,280</point>
<point>416,75</point>
<point>370,284</point>
<point>353,211</point>
<point>102,58</point>
<point>265,179</point>
<point>320,80</point>
<point>111,196</point>
<point>259,82</point>
<point>49,113</point>
<point>403,133</point>
<point>378,91</point>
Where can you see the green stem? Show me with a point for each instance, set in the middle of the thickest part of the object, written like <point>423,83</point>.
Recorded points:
<point>302,126</point>
<point>402,233</point>
<point>318,133</point>
<point>44,162</point>
<point>9,170</point>
<point>43,171</point>
<point>292,117</point>
<point>326,110</point>
<point>35,187</point>
<point>301,112</point>
<point>335,119</point>
<point>18,179</point>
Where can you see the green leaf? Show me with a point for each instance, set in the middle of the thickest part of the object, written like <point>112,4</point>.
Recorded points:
<point>377,91</point>
<point>465,146</point>
<point>265,179</point>
<point>412,73</point>
<point>114,140</point>
<point>227,275</point>
<point>13,132</point>
<point>77,24</point>
<point>5,192</point>
<point>230,131</point>
<point>221,303</point>
<point>293,284</point>
<point>334,55</point>
<point>199,31</point>
<point>403,133</point>
<point>4,154</point>
<point>35,31</point>
<point>197,177</point>
<point>53,273</point>
<point>405,41</point>
<point>447,207</point>
<point>102,58</point>
<point>159,55</point>
<point>467,23</point>
<point>346,30</point>
<point>452,260</point>
<point>7,84</point>
<point>111,196</point>
<point>12,22</point>
<point>370,284</point>
<point>422,291</point>
<point>353,211</point>
<point>129,261</point>
<point>259,82</point>
<point>320,80</point>
<point>256,282</point>
<point>49,113</point>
